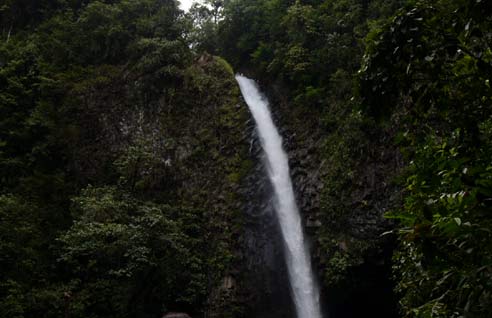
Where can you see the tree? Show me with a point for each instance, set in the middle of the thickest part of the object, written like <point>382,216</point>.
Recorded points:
<point>429,67</point>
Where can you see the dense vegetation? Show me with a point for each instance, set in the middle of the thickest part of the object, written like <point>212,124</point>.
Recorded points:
<point>114,202</point>
<point>122,151</point>
<point>435,75</point>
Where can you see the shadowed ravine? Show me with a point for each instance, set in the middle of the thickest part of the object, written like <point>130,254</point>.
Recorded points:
<point>304,288</point>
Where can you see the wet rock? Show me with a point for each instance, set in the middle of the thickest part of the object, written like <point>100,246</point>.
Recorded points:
<point>313,223</point>
<point>262,281</point>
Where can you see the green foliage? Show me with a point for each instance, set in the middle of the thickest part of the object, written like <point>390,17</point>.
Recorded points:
<point>300,43</point>
<point>19,247</point>
<point>445,233</point>
<point>429,67</point>
<point>225,65</point>
<point>203,30</point>
<point>430,53</point>
<point>118,243</point>
<point>78,82</point>
<point>103,31</point>
<point>341,250</point>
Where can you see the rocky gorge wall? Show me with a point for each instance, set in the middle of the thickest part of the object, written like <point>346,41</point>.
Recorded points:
<point>186,148</point>
<point>344,178</point>
<point>194,147</point>
<point>265,278</point>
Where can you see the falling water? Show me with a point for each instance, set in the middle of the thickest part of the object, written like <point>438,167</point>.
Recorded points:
<point>303,285</point>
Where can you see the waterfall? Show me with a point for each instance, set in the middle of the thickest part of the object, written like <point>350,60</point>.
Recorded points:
<point>304,289</point>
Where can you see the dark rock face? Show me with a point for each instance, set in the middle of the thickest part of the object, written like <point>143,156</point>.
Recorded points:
<point>365,288</point>
<point>191,150</point>
<point>266,284</point>
<point>257,284</point>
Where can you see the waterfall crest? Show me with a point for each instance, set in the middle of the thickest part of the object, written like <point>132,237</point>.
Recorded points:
<point>303,285</point>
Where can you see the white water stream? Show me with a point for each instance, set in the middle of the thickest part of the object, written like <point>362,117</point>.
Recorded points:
<point>303,285</point>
